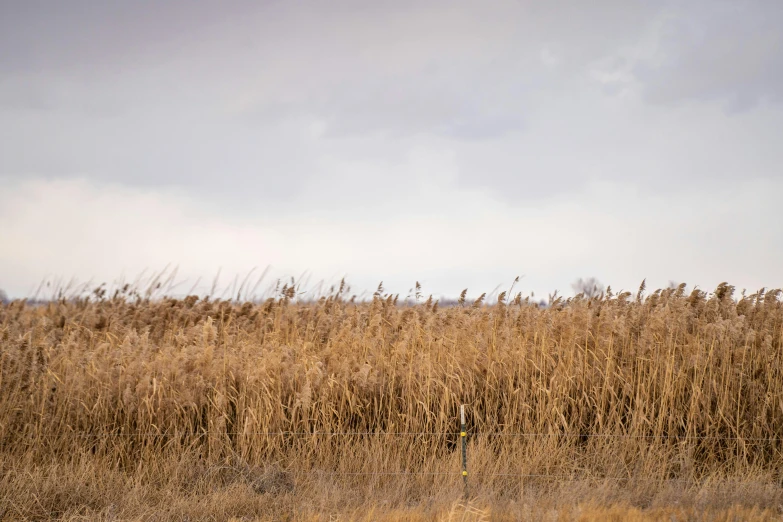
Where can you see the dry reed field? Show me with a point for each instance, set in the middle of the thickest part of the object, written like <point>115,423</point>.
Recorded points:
<point>664,406</point>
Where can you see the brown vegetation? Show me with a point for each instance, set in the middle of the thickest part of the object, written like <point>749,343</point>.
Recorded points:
<point>614,407</point>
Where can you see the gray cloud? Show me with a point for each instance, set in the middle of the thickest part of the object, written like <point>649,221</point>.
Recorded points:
<point>459,141</point>
<point>731,52</point>
<point>251,105</point>
<point>81,37</point>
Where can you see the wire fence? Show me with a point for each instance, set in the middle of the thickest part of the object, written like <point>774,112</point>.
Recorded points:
<point>596,478</point>
<point>202,433</point>
<point>463,435</point>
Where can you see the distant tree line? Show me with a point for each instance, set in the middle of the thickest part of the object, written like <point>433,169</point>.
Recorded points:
<point>590,287</point>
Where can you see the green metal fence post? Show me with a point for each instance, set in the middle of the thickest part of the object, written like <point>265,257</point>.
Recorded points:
<point>464,437</point>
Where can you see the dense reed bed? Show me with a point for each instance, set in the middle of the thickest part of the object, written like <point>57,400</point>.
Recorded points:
<point>127,408</point>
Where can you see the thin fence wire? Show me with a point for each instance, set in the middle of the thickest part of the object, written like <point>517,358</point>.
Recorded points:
<point>572,477</point>
<point>200,433</point>
<point>485,474</point>
<point>455,434</point>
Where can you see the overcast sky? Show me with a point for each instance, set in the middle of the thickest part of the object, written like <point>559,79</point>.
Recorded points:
<point>460,144</point>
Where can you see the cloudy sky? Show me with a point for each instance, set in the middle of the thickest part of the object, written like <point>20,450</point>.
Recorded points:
<point>460,144</point>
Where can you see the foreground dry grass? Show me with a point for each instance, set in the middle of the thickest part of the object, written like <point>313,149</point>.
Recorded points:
<point>668,407</point>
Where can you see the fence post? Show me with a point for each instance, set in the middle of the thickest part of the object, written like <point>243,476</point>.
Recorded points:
<point>464,436</point>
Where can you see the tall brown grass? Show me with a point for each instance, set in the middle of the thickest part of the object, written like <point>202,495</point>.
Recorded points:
<point>131,408</point>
